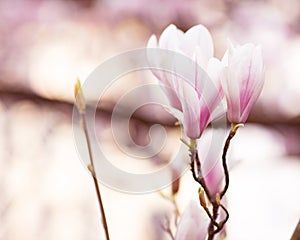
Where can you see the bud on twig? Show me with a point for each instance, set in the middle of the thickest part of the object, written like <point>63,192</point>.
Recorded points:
<point>218,199</point>
<point>90,168</point>
<point>202,197</point>
<point>175,186</point>
<point>80,102</point>
<point>176,182</point>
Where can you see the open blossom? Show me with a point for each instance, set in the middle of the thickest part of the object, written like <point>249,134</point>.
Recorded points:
<point>194,100</point>
<point>242,80</point>
<point>193,223</point>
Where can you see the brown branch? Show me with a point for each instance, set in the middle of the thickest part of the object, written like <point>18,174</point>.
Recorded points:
<point>211,228</point>
<point>222,224</point>
<point>224,163</point>
<point>234,128</point>
<point>212,220</point>
<point>296,234</point>
<point>197,173</point>
<point>198,177</point>
<point>214,227</point>
<point>216,202</point>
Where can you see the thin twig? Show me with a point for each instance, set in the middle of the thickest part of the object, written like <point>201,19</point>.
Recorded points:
<point>92,170</point>
<point>211,217</point>
<point>197,172</point>
<point>221,224</point>
<point>224,162</point>
<point>214,227</point>
<point>216,203</point>
<point>211,229</point>
<point>198,177</point>
<point>232,132</point>
<point>80,104</point>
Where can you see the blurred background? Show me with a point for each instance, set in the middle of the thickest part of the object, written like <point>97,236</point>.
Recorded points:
<point>45,190</point>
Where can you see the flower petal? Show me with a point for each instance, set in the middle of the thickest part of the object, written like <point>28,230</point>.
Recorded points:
<point>170,38</point>
<point>200,38</point>
<point>191,110</point>
<point>193,224</point>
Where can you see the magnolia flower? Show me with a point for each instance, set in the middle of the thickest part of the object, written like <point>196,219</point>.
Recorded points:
<point>242,81</point>
<point>214,179</point>
<point>209,148</point>
<point>193,224</point>
<point>194,100</point>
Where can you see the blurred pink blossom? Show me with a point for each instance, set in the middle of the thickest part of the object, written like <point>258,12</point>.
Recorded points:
<point>210,147</point>
<point>194,101</point>
<point>193,223</point>
<point>213,175</point>
<point>243,80</point>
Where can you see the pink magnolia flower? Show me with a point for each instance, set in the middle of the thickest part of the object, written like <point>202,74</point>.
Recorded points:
<point>243,80</point>
<point>193,224</point>
<point>194,100</point>
<point>214,179</point>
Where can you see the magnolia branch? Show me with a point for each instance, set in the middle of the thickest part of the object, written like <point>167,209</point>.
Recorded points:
<point>80,103</point>
<point>214,226</point>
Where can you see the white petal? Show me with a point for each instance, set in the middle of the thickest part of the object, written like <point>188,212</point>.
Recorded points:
<point>225,59</point>
<point>152,42</point>
<point>212,92</point>
<point>232,92</point>
<point>200,38</point>
<point>214,70</point>
<point>191,109</point>
<point>169,38</point>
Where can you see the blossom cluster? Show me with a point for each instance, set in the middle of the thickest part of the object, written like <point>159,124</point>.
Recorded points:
<point>237,78</point>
